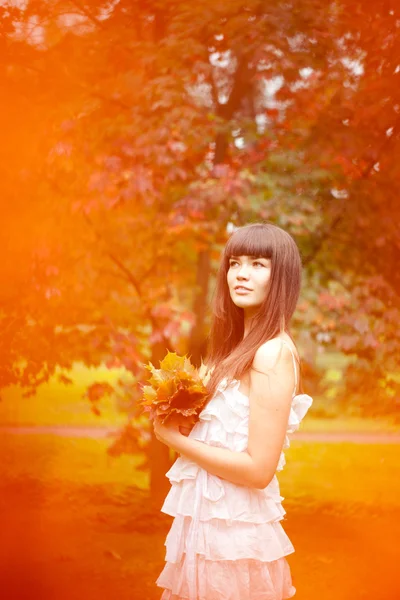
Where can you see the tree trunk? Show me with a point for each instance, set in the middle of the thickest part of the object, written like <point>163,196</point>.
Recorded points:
<point>197,341</point>
<point>241,85</point>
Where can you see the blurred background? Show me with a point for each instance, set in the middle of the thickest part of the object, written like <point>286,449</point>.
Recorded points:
<point>135,137</point>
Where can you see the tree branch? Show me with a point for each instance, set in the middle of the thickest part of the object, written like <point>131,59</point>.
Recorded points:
<point>87,13</point>
<point>129,276</point>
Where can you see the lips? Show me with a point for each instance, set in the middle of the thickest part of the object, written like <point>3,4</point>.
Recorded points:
<point>242,287</point>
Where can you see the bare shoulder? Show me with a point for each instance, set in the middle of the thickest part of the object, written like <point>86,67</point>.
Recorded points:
<point>272,376</point>
<point>269,354</point>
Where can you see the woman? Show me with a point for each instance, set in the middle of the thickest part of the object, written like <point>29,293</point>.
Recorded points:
<point>226,541</point>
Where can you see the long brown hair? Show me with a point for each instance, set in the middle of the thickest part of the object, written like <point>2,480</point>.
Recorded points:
<point>230,355</point>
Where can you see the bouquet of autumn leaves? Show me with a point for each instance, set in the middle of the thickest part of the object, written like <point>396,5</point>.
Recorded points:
<point>176,391</point>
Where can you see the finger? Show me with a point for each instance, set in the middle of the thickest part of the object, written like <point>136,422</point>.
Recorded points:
<point>184,430</point>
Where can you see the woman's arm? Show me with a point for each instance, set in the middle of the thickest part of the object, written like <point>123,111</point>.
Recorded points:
<point>272,382</point>
<point>271,386</point>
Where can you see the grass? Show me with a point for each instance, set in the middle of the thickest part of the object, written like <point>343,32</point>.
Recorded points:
<point>350,423</point>
<point>78,523</point>
<point>82,461</point>
<point>58,404</point>
<point>342,475</point>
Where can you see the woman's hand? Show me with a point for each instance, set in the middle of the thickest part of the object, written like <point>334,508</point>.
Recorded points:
<point>168,434</point>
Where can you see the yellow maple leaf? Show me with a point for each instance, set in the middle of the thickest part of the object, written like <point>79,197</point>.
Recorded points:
<point>205,373</point>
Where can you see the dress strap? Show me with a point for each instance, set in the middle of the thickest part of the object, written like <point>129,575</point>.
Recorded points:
<point>294,365</point>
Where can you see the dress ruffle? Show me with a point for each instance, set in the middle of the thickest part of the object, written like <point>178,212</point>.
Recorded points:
<point>217,540</point>
<point>222,499</point>
<point>244,579</point>
<point>226,541</point>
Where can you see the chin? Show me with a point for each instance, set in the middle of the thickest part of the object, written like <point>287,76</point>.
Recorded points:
<point>242,304</point>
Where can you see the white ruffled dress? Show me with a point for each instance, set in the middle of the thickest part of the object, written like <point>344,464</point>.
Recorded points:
<point>226,541</point>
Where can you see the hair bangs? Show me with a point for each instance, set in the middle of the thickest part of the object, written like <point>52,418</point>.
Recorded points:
<point>249,241</point>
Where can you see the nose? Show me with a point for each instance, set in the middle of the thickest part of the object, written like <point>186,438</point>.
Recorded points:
<point>242,272</point>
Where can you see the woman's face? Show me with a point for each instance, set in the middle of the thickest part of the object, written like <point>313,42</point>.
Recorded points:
<point>248,280</point>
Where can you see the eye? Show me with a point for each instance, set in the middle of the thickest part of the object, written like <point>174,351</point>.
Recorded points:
<point>233,262</point>
<point>257,262</point>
